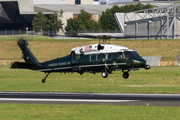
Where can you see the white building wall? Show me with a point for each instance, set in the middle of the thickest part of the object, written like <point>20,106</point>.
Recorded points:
<point>95,17</point>
<point>26,5</point>
<point>96,3</point>
<point>64,18</point>
<point>87,2</point>
<point>49,1</point>
<point>70,2</point>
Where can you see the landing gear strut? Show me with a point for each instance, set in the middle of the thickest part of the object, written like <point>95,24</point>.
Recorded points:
<point>44,80</point>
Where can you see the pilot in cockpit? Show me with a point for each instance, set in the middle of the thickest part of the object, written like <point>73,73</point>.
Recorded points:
<point>120,55</point>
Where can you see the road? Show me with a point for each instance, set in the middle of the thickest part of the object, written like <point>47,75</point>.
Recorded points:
<point>90,98</point>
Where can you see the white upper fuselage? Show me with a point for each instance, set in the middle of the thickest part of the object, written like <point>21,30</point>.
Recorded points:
<point>93,49</point>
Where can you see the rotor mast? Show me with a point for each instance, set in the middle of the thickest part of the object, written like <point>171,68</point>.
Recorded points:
<point>105,38</point>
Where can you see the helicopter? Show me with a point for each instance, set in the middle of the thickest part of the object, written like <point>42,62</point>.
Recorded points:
<point>102,57</point>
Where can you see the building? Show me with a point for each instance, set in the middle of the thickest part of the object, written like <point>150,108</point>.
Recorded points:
<point>156,0</point>
<point>155,3</point>
<point>18,14</point>
<point>68,2</point>
<point>156,23</point>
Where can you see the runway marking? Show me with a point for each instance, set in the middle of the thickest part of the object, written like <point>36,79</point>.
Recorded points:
<point>64,100</point>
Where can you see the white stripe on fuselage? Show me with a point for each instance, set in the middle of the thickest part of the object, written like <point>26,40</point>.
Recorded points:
<point>80,66</point>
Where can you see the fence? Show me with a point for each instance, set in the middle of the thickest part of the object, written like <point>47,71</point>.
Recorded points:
<point>14,34</point>
<point>75,32</point>
<point>119,35</point>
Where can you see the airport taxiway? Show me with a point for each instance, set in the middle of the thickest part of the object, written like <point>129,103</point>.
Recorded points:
<point>90,98</point>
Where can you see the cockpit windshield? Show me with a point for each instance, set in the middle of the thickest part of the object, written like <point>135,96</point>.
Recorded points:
<point>131,54</point>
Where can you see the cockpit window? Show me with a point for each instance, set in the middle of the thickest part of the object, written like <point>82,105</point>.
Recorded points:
<point>135,54</point>
<point>130,54</point>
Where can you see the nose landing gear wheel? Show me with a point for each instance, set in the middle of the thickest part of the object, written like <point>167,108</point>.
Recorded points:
<point>125,75</point>
<point>104,74</point>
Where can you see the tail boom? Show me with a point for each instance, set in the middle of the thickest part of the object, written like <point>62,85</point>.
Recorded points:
<point>30,60</point>
<point>26,53</point>
<point>22,65</point>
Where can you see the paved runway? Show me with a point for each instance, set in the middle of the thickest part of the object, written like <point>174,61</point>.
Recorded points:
<point>91,98</point>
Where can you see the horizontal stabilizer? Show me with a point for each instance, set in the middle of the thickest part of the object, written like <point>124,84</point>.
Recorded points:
<point>21,65</point>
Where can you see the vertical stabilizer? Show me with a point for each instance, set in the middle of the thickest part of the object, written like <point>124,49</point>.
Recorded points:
<point>26,53</point>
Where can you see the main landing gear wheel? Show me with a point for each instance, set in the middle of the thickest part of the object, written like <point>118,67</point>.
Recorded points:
<point>104,74</point>
<point>125,75</point>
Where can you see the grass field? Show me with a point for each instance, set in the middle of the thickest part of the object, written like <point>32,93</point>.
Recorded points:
<point>155,80</point>
<point>164,79</point>
<point>25,36</point>
<point>86,112</point>
<point>46,49</point>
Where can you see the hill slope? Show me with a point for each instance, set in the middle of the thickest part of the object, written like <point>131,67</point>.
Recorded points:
<point>46,50</point>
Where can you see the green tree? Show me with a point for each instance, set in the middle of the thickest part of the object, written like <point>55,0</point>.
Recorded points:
<point>40,22</point>
<point>108,21</point>
<point>83,22</point>
<point>54,22</point>
<point>72,24</point>
<point>84,16</point>
<point>176,2</point>
<point>93,25</point>
<point>115,9</point>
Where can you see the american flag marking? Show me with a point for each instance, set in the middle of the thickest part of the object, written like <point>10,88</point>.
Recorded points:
<point>88,48</point>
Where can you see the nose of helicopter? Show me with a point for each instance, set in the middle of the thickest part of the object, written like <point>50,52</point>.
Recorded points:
<point>140,62</point>
<point>143,61</point>
<point>144,65</point>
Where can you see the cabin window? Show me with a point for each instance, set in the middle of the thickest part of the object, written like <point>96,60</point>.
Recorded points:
<point>109,56</point>
<point>120,55</point>
<point>92,58</point>
<point>98,57</point>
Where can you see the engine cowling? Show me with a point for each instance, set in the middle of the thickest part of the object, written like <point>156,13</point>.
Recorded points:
<point>99,47</point>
